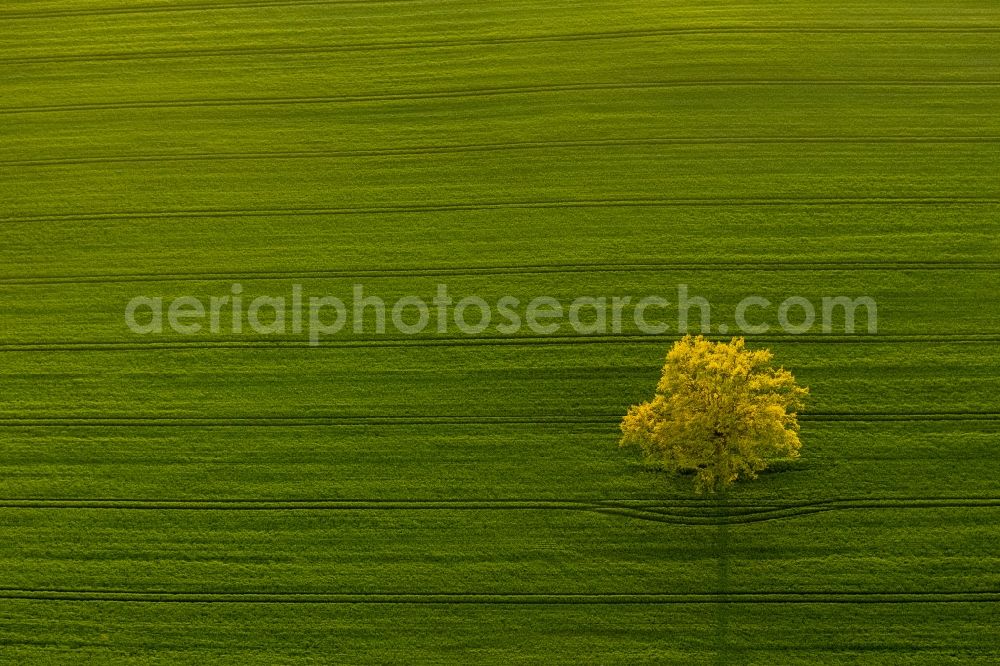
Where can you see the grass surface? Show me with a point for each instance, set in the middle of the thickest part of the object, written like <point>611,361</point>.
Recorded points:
<point>381,498</point>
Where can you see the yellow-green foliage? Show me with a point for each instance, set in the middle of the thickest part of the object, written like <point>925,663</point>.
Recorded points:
<point>721,410</point>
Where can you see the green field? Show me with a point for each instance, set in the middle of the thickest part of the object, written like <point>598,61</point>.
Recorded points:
<point>250,498</point>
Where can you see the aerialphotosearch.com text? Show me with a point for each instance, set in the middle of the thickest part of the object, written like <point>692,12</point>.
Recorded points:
<point>319,317</point>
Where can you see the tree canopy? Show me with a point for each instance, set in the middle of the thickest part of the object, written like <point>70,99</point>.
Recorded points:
<point>721,411</point>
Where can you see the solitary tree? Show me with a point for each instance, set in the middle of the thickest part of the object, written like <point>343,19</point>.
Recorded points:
<point>720,410</point>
